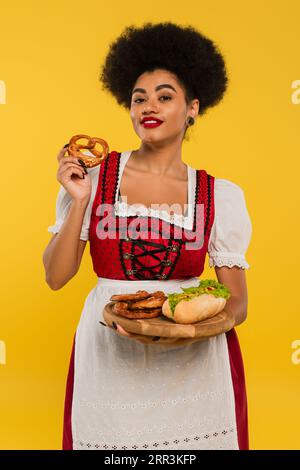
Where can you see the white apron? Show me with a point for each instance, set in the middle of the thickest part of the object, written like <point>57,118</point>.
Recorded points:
<point>129,395</point>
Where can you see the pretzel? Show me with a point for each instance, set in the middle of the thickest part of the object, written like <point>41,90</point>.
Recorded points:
<point>139,295</point>
<point>74,149</point>
<point>154,301</point>
<point>122,308</point>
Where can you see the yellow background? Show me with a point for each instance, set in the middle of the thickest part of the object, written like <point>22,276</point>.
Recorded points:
<point>51,54</point>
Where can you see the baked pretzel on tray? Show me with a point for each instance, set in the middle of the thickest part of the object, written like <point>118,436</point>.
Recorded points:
<point>154,301</point>
<point>139,295</point>
<point>142,304</point>
<point>122,308</point>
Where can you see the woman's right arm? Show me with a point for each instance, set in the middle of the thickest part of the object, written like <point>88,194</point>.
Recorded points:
<point>63,254</point>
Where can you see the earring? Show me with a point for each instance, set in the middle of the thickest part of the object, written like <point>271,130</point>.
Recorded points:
<point>190,121</point>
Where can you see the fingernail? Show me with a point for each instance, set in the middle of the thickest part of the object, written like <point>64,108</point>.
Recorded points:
<point>82,162</point>
<point>83,165</point>
<point>104,324</point>
<point>114,325</point>
<point>66,145</point>
<point>155,338</point>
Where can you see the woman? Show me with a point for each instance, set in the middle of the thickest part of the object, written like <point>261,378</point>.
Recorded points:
<point>124,392</point>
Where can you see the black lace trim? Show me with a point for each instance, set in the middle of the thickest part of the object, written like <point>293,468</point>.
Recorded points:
<point>208,206</point>
<point>103,188</point>
<point>117,178</point>
<point>197,189</point>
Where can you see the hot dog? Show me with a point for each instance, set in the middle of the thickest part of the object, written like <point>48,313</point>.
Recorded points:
<point>198,303</point>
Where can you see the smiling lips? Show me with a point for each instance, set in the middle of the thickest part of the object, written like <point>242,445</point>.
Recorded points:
<point>151,123</point>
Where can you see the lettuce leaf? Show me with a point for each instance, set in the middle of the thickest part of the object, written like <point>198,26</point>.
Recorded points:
<point>206,286</point>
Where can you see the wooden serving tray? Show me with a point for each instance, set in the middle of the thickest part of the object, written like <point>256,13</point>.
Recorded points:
<point>164,327</point>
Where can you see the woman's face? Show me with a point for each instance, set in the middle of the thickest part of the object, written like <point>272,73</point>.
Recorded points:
<point>159,95</point>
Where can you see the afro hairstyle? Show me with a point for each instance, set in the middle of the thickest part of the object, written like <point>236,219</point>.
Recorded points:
<point>190,55</point>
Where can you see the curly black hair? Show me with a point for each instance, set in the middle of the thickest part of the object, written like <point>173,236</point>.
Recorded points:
<point>190,55</point>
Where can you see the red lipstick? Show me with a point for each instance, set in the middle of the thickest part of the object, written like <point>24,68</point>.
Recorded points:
<point>151,124</point>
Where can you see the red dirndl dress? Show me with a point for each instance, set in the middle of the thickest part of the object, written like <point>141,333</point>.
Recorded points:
<point>140,261</point>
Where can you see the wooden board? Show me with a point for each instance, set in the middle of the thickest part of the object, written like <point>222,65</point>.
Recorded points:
<point>164,327</point>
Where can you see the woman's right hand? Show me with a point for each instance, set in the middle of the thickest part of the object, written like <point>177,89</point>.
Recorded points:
<point>144,339</point>
<point>72,177</point>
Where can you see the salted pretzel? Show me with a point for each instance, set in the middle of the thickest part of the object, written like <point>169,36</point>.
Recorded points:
<point>122,308</point>
<point>89,161</point>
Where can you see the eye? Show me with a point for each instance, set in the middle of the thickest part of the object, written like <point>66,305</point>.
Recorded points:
<point>163,96</point>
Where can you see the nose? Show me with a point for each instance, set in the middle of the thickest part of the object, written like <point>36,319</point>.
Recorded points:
<point>150,106</point>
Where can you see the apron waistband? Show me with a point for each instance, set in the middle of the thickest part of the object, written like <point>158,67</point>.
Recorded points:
<point>103,281</point>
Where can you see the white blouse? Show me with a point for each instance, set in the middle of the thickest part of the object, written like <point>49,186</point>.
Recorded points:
<point>231,231</point>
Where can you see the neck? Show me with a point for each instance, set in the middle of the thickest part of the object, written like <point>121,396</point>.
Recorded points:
<point>160,160</point>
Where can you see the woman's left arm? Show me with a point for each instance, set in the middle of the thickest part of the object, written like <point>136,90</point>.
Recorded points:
<point>235,279</point>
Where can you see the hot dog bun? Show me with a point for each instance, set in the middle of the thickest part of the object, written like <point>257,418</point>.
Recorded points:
<point>196,303</point>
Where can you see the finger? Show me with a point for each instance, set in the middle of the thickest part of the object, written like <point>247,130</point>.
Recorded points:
<point>116,326</point>
<point>121,330</point>
<point>74,160</point>
<point>69,159</point>
<point>70,165</point>
<point>139,338</point>
<point>73,171</point>
<point>69,171</point>
<point>62,152</point>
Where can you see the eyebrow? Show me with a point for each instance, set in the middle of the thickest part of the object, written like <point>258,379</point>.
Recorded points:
<point>163,85</point>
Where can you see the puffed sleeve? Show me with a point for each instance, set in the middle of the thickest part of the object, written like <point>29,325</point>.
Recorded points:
<point>63,202</point>
<point>232,228</point>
